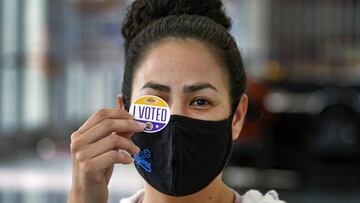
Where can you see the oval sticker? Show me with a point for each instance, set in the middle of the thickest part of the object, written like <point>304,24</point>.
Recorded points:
<point>151,110</point>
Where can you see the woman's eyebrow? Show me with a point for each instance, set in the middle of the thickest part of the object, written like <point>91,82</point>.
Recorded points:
<point>157,86</point>
<point>198,87</point>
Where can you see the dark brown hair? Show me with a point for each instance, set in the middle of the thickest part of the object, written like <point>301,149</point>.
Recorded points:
<point>151,21</point>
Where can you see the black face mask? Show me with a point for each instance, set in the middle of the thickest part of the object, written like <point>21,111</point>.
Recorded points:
<point>185,156</point>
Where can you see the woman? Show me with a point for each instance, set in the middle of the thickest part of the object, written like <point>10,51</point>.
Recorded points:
<point>182,52</point>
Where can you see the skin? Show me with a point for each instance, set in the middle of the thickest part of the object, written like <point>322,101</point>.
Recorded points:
<point>187,75</point>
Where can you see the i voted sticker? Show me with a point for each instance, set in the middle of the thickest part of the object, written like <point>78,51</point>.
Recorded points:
<point>151,110</point>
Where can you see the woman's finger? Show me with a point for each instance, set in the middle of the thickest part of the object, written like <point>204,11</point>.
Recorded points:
<point>111,142</point>
<point>107,160</point>
<point>120,126</point>
<point>103,114</point>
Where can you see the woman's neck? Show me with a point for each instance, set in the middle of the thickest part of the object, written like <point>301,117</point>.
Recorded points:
<point>215,192</point>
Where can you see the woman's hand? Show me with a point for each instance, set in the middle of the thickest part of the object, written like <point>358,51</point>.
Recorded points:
<point>95,147</point>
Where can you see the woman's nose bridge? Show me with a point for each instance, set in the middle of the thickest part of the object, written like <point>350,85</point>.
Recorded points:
<point>177,107</point>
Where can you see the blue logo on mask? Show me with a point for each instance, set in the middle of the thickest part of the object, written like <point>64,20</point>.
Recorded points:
<point>143,159</point>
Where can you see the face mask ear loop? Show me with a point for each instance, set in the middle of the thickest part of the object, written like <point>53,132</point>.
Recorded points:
<point>173,162</point>
<point>230,148</point>
<point>232,114</point>
<point>230,141</point>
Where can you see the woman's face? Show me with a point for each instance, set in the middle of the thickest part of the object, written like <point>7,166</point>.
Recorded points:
<point>187,75</point>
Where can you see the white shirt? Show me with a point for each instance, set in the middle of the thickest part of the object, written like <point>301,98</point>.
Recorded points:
<point>252,196</point>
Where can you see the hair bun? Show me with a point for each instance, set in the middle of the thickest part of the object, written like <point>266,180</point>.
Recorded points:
<point>143,12</point>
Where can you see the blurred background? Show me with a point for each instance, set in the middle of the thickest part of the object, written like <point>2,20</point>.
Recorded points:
<point>62,60</point>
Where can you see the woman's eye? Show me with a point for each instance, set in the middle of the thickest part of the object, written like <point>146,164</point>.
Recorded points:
<point>200,102</point>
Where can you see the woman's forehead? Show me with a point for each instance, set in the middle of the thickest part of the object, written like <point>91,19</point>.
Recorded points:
<point>180,62</point>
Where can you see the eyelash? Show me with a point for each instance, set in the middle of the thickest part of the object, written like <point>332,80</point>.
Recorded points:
<point>202,100</point>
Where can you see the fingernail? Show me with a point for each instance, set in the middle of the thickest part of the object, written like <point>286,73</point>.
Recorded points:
<point>137,150</point>
<point>141,124</point>
<point>130,159</point>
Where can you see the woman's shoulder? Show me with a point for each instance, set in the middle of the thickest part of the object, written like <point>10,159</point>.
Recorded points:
<point>252,196</point>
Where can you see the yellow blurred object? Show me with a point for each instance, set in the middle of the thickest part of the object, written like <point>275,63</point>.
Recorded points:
<point>275,71</point>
